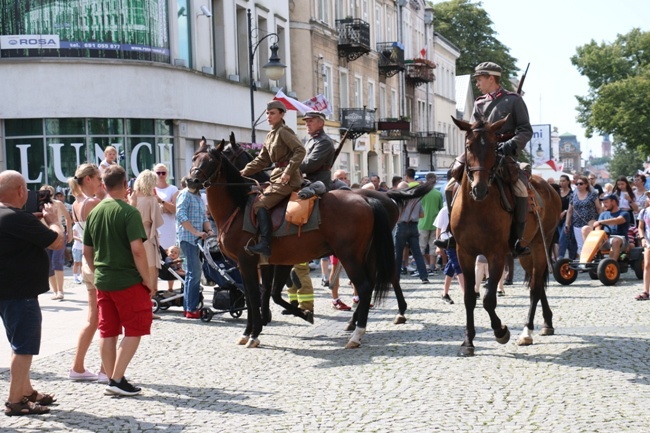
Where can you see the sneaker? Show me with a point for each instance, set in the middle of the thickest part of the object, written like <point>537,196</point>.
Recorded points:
<point>339,305</point>
<point>447,299</point>
<point>410,269</point>
<point>193,314</point>
<point>324,282</point>
<point>87,375</point>
<point>60,296</point>
<point>403,271</point>
<point>425,281</point>
<point>122,387</point>
<point>101,377</point>
<point>76,279</point>
<point>355,303</point>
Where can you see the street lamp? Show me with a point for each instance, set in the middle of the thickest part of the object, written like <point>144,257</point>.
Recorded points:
<point>274,68</point>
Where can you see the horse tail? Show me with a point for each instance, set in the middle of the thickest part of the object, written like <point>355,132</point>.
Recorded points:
<point>381,251</point>
<point>402,196</point>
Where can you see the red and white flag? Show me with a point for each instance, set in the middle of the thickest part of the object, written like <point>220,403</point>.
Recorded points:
<point>551,164</point>
<point>319,103</point>
<point>291,103</point>
<point>423,52</point>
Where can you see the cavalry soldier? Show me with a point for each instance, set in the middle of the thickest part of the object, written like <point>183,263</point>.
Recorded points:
<point>495,104</point>
<point>283,148</point>
<point>317,165</point>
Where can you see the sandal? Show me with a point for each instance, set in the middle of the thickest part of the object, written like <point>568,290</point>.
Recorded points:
<point>643,296</point>
<point>46,400</point>
<point>25,407</point>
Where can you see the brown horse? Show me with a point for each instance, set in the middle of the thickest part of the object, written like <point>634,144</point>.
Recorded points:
<point>481,225</point>
<point>363,243</point>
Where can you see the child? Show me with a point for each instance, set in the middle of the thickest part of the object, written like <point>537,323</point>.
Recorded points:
<point>452,268</point>
<point>77,252</point>
<point>110,157</point>
<point>175,263</point>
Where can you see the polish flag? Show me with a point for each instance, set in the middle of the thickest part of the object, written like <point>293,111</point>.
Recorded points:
<point>551,164</point>
<point>423,52</point>
<point>292,104</point>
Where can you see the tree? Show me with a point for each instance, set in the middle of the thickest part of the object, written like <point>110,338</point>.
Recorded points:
<point>618,101</point>
<point>626,161</point>
<point>468,26</point>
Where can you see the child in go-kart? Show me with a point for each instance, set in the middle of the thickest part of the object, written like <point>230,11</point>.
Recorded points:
<point>618,222</point>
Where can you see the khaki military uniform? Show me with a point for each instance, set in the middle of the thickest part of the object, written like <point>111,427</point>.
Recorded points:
<point>305,294</point>
<point>283,148</point>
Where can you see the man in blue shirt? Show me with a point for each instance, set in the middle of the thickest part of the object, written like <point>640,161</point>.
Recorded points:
<point>618,222</point>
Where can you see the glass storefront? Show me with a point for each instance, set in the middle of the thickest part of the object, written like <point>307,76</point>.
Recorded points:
<point>112,29</point>
<point>48,151</point>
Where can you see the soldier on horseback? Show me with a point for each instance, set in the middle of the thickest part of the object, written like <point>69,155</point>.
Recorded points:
<point>283,148</point>
<point>495,104</point>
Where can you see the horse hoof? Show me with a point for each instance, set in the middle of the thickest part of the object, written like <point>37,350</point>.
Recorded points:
<point>547,331</point>
<point>466,351</point>
<point>253,343</point>
<point>525,341</point>
<point>352,345</point>
<point>399,319</point>
<point>308,316</point>
<point>350,327</point>
<point>505,338</point>
<point>243,340</point>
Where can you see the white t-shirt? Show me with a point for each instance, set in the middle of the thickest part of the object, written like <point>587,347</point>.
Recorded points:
<point>167,232</point>
<point>442,221</point>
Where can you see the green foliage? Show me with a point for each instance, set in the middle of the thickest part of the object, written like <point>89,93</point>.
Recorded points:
<point>618,101</point>
<point>626,161</point>
<point>469,27</point>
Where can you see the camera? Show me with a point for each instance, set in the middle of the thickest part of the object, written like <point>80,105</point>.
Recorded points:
<point>36,200</point>
<point>131,183</point>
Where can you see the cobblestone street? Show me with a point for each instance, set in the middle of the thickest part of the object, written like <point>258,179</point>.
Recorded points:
<point>590,377</point>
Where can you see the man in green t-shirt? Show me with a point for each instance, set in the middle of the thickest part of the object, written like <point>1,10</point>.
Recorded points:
<point>431,204</point>
<point>114,249</point>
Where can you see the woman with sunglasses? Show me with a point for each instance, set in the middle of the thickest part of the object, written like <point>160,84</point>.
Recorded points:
<point>626,196</point>
<point>584,208</point>
<point>166,194</point>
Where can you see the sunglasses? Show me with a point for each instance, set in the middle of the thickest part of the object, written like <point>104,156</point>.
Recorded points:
<point>580,183</point>
<point>161,173</point>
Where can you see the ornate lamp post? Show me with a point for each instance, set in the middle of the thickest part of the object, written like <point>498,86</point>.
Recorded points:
<point>274,68</point>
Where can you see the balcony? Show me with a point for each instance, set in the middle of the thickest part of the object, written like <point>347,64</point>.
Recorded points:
<point>394,124</point>
<point>357,121</point>
<point>419,71</point>
<point>391,58</point>
<point>354,38</point>
<point>428,142</point>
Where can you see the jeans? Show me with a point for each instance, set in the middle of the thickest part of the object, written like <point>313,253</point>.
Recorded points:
<point>408,234</point>
<point>192,276</point>
<point>567,241</point>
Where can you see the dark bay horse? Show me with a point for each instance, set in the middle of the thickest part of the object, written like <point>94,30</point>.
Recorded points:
<point>481,225</point>
<point>393,201</point>
<point>363,243</point>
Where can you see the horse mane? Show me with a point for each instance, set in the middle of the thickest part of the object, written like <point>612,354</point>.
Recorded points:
<point>238,193</point>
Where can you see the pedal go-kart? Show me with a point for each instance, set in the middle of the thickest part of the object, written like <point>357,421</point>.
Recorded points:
<point>594,260</point>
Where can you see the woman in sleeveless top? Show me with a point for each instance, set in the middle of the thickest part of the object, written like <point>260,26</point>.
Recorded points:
<point>584,207</point>
<point>86,186</point>
<point>145,200</point>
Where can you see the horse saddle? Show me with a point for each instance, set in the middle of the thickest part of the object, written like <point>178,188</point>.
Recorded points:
<point>289,217</point>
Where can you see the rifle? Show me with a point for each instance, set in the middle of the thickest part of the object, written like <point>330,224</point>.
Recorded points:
<point>338,149</point>
<point>521,82</point>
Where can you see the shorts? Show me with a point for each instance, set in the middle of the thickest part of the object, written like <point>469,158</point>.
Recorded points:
<point>426,239</point>
<point>608,245</point>
<point>22,319</point>
<point>58,259</point>
<point>334,260</point>
<point>452,267</point>
<point>129,309</point>
<point>77,254</point>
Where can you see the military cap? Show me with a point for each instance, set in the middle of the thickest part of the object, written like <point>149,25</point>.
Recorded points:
<point>487,68</point>
<point>276,104</point>
<point>314,115</point>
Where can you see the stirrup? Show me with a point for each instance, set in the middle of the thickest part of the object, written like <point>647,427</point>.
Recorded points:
<point>520,250</point>
<point>260,248</point>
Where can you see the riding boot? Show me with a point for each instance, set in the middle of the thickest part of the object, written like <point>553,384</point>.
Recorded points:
<point>521,212</point>
<point>449,242</point>
<point>263,247</point>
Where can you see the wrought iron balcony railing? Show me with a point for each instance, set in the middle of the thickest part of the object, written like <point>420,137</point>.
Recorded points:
<point>354,38</point>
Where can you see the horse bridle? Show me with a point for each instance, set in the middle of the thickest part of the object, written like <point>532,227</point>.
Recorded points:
<point>209,179</point>
<point>470,170</point>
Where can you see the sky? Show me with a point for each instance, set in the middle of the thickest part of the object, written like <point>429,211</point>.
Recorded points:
<point>546,34</point>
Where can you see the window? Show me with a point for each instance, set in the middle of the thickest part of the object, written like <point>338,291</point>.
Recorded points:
<point>327,83</point>
<point>184,39</point>
<point>323,11</point>
<point>394,103</point>
<point>344,89</point>
<point>382,101</point>
<point>371,95</point>
<point>358,92</point>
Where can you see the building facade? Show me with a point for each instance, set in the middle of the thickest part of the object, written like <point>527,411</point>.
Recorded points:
<point>148,77</point>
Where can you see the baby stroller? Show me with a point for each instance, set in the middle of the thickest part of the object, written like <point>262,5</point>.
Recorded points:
<point>229,295</point>
<point>163,299</point>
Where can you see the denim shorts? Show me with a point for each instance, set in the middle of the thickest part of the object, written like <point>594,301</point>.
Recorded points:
<point>22,319</point>
<point>58,259</point>
<point>452,267</point>
<point>77,253</point>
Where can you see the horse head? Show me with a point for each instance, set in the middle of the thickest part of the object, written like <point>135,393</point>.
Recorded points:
<point>206,163</point>
<point>480,154</point>
<point>239,157</point>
